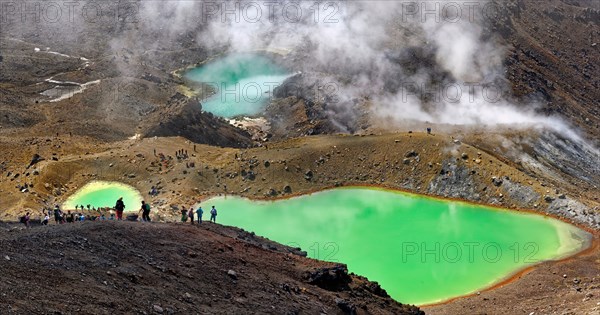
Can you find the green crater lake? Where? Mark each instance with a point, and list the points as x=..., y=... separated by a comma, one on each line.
x=421, y=250
x=242, y=83
x=104, y=194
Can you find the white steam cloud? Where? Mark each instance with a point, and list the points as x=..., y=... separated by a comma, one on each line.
x=460, y=82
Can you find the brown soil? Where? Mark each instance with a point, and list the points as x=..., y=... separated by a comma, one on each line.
x=113, y=267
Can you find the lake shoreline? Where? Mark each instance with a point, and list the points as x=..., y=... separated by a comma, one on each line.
x=409, y=192
x=590, y=244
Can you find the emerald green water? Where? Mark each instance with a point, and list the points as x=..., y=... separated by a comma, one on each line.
x=421, y=250
x=243, y=82
x=104, y=194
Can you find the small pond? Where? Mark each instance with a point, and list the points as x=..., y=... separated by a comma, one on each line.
x=104, y=194
x=241, y=83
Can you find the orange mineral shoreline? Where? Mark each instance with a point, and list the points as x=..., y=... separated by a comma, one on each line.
x=519, y=274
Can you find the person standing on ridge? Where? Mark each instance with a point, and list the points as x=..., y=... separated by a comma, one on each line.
x=25, y=219
x=120, y=207
x=199, y=213
x=145, y=211
x=191, y=214
x=183, y=214
x=213, y=214
x=57, y=214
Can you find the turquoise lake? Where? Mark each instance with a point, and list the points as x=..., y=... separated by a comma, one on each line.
x=242, y=83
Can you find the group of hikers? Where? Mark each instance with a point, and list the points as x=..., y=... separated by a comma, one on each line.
x=116, y=213
x=61, y=217
x=189, y=214
x=185, y=214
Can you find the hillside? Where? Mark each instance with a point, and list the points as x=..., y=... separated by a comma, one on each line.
x=128, y=267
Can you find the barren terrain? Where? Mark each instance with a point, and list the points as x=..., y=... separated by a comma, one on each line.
x=89, y=102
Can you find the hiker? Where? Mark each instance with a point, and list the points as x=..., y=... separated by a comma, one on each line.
x=120, y=207
x=25, y=219
x=69, y=217
x=57, y=214
x=428, y=130
x=145, y=209
x=213, y=214
x=199, y=213
x=191, y=214
x=81, y=217
x=183, y=214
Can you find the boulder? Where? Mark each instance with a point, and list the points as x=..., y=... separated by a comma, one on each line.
x=35, y=159
x=308, y=175
x=232, y=274
x=332, y=279
x=346, y=306
x=157, y=309
x=411, y=153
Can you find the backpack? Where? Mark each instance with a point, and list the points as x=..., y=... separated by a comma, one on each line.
x=22, y=219
x=147, y=207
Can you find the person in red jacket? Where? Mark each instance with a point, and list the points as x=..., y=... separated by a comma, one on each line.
x=120, y=207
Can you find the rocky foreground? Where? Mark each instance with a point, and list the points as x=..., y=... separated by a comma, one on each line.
x=153, y=268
